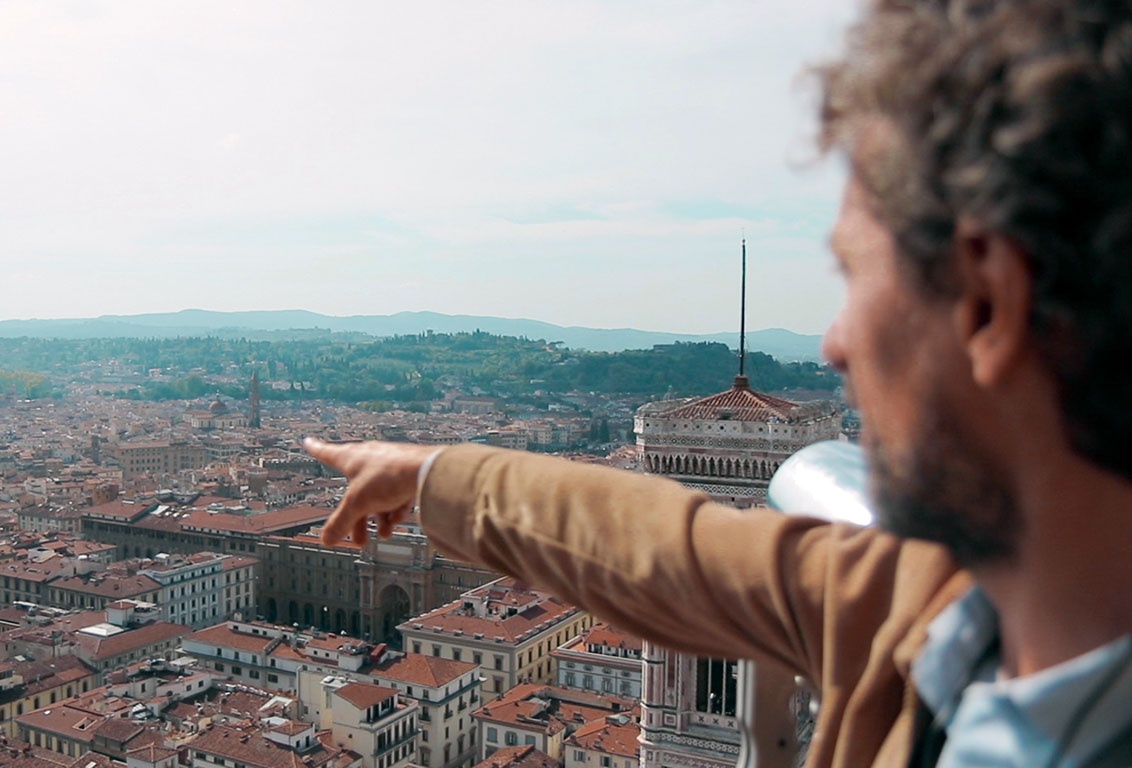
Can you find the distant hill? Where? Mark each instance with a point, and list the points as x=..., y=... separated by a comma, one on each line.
x=299, y=324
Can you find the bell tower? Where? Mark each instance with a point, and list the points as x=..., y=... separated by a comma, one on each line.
x=253, y=401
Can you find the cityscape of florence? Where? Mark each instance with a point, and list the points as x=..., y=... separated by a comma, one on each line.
x=439, y=226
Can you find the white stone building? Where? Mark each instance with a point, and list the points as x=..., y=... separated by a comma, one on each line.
x=727, y=445
x=601, y=660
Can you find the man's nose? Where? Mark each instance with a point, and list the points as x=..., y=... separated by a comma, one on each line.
x=832, y=344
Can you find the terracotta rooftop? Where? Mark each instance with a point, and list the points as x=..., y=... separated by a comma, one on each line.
x=44, y=674
x=109, y=584
x=103, y=648
x=525, y=756
x=264, y=523
x=224, y=635
x=740, y=403
x=73, y=724
x=291, y=727
x=533, y=609
x=119, y=729
x=609, y=737
x=19, y=755
x=233, y=562
x=35, y=572
x=121, y=510
x=603, y=634
x=422, y=669
x=151, y=753
x=255, y=751
x=549, y=708
x=365, y=695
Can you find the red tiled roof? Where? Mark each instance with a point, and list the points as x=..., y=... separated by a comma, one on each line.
x=740, y=403
x=267, y=522
x=365, y=695
x=223, y=635
x=151, y=753
x=252, y=749
x=291, y=727
x=103, y=648
x=72, y=724
x=451, y=618
x=232, y=562
x=120, y=509
x=421, y=669
x=611, y=738
x=119, y=729
x=109, y=585
x=538, y=707
x=37, y=572
x=525, y=756
x=603, y=634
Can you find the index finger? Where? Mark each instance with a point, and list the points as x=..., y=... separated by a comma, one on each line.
x=327, y=453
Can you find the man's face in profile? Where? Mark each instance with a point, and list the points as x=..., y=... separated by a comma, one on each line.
x=906, y=372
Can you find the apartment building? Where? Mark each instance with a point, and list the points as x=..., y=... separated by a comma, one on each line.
x=26, y=686
x=603, y=659
x=271, y=657
x=611, y=742
x=543, y=716
x=448, y=692
x=270, y=745
x=372, y=720
x=506, y=628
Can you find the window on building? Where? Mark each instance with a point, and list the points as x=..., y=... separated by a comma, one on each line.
x=606, y=761
x=716, y=684
x=492, y=735
x=528, y=739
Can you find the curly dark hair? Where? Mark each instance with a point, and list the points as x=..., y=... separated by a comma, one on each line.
x=1016, y=114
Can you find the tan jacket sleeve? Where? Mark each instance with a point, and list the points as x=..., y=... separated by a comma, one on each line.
x=669, y=565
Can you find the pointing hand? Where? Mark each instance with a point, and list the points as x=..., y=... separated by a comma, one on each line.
x=382, y=483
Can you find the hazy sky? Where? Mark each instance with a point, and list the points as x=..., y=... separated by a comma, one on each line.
x=582, y=162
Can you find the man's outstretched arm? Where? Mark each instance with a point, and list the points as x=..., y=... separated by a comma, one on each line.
x=645, y=553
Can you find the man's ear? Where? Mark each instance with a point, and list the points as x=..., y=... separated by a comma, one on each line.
x=993, y=310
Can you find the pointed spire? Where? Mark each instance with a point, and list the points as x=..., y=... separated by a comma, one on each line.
x=741, y=381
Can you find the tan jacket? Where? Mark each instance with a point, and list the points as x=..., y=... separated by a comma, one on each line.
x=845, y=607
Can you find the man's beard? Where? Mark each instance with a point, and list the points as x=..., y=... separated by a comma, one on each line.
x=944, y=493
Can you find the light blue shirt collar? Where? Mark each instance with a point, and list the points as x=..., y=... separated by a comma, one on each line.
x=1083, y=702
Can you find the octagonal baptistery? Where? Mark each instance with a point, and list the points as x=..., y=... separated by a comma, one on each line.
x=729, y=444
